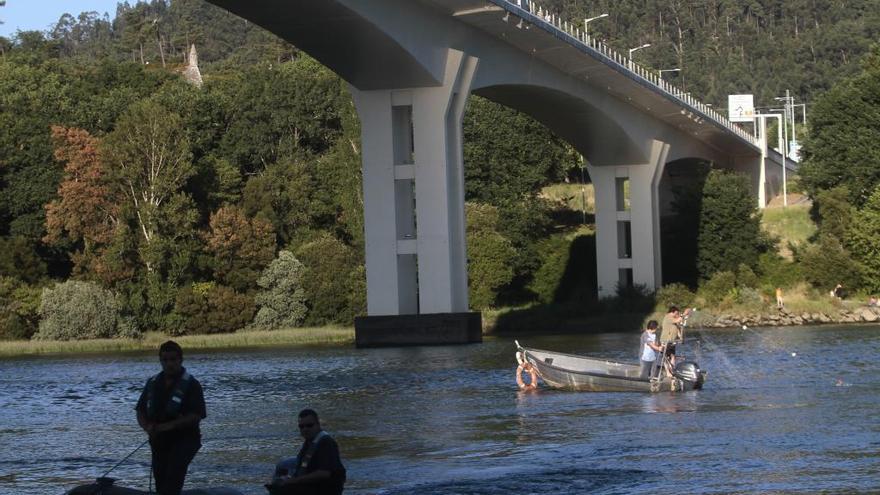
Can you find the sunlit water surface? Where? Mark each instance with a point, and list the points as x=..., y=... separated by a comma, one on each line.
x=785, y=410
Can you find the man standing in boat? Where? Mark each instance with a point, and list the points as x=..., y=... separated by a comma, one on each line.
x=170, y=408
x=649, y=349
x=317, y=469
x=670, y=332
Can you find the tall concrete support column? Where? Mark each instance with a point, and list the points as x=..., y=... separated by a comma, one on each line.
x=413, y=169
x=628, y=250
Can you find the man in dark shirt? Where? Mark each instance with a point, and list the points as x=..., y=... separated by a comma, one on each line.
x=316, y=470
x=170, y=408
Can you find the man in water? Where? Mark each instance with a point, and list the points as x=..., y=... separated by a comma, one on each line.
x=170, y=408
x=317, y=469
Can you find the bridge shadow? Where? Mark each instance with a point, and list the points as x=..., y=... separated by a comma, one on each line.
x=576, y=307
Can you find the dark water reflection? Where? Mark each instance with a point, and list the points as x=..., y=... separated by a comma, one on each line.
x=450, y=419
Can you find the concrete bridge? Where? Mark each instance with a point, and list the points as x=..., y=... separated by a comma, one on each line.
x=411, y=65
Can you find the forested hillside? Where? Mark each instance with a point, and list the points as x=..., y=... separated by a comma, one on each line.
x=131, y=200
x=738, y=46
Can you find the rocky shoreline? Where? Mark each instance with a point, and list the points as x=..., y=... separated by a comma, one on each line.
x=783, y=317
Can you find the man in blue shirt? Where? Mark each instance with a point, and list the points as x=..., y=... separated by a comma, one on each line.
x=648, y=349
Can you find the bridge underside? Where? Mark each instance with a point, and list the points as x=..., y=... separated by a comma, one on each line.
x=412, y=64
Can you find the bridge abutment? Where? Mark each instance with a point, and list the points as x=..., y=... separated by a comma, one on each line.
x=628, y=222
x=413, y=176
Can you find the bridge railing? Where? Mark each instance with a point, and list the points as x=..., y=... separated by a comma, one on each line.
x=693, y=108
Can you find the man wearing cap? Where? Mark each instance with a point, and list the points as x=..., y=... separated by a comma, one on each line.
x=169, y=409
x=317, y=469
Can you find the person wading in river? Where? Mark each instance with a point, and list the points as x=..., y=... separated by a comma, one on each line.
x=170, y=408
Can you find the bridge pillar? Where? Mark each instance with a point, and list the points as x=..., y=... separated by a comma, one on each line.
x=628, y=222
x=414, y=222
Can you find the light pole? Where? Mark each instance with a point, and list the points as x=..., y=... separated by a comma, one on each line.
x=588, y=21
x=631, y=50
x=661, y=71
x=763, y=117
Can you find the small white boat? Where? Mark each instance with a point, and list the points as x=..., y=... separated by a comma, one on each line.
x=574, y=372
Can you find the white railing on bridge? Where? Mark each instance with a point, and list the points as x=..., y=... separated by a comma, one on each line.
x=578, y=37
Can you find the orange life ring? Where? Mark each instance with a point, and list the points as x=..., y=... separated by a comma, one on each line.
x=528, y=368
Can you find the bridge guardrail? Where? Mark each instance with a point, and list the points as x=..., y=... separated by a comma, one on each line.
x=696, y=110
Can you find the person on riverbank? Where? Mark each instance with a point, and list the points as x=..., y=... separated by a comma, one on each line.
x=170, y=408
x=779, y=303
x=316, y=469
x=649, y=349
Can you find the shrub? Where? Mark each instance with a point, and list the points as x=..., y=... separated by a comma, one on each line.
x=673, y=295
x=79, y=310
x=748, y=296
x=777, y=272
x=205, y=308
x=282, y=296
x=718, y=288
x=19, y=309
x=745, y=276
x=827, y=263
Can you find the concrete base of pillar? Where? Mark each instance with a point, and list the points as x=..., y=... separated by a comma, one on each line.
x=424, y=329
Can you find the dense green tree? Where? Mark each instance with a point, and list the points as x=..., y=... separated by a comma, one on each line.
x=207, y=308
x=835, y=211
x=730, y=225
x=827, y=263
x=330, y=277
x=241, y=247
x=19, y=309
x=863, y=241
x=285, y=110
x=508, y=156
x=489, y=255
x=841, y=148
x=19, y=260
x=149, y=161
x=282, y=196
x=31, y=98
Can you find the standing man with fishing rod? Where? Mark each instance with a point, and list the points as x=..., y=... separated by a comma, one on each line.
x=170, y=408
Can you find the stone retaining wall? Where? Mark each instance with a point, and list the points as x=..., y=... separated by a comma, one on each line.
x=863, y=314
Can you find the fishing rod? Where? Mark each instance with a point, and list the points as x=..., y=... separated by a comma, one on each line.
x=104, y=476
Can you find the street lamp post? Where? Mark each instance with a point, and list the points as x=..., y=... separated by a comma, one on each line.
x=631, y=50
x=588, y=21
x=780, y=129
x=661, y=71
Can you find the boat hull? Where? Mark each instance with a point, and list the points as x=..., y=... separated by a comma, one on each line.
x=102, y=489
x=572, y=372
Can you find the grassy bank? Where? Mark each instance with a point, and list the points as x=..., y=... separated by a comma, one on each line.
x=284, y=337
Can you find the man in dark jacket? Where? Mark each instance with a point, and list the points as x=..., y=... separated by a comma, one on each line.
x=317, y=469
x=170, y=408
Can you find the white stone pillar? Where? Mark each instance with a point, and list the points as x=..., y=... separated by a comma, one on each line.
x=628, y=222
x=413, y=170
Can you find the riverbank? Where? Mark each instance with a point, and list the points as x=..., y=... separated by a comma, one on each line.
x=330, y=335
x=799, y=309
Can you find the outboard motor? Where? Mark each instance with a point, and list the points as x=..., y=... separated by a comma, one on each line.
x=689, y=371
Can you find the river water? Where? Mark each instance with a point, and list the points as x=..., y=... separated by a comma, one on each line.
x=784, y=410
